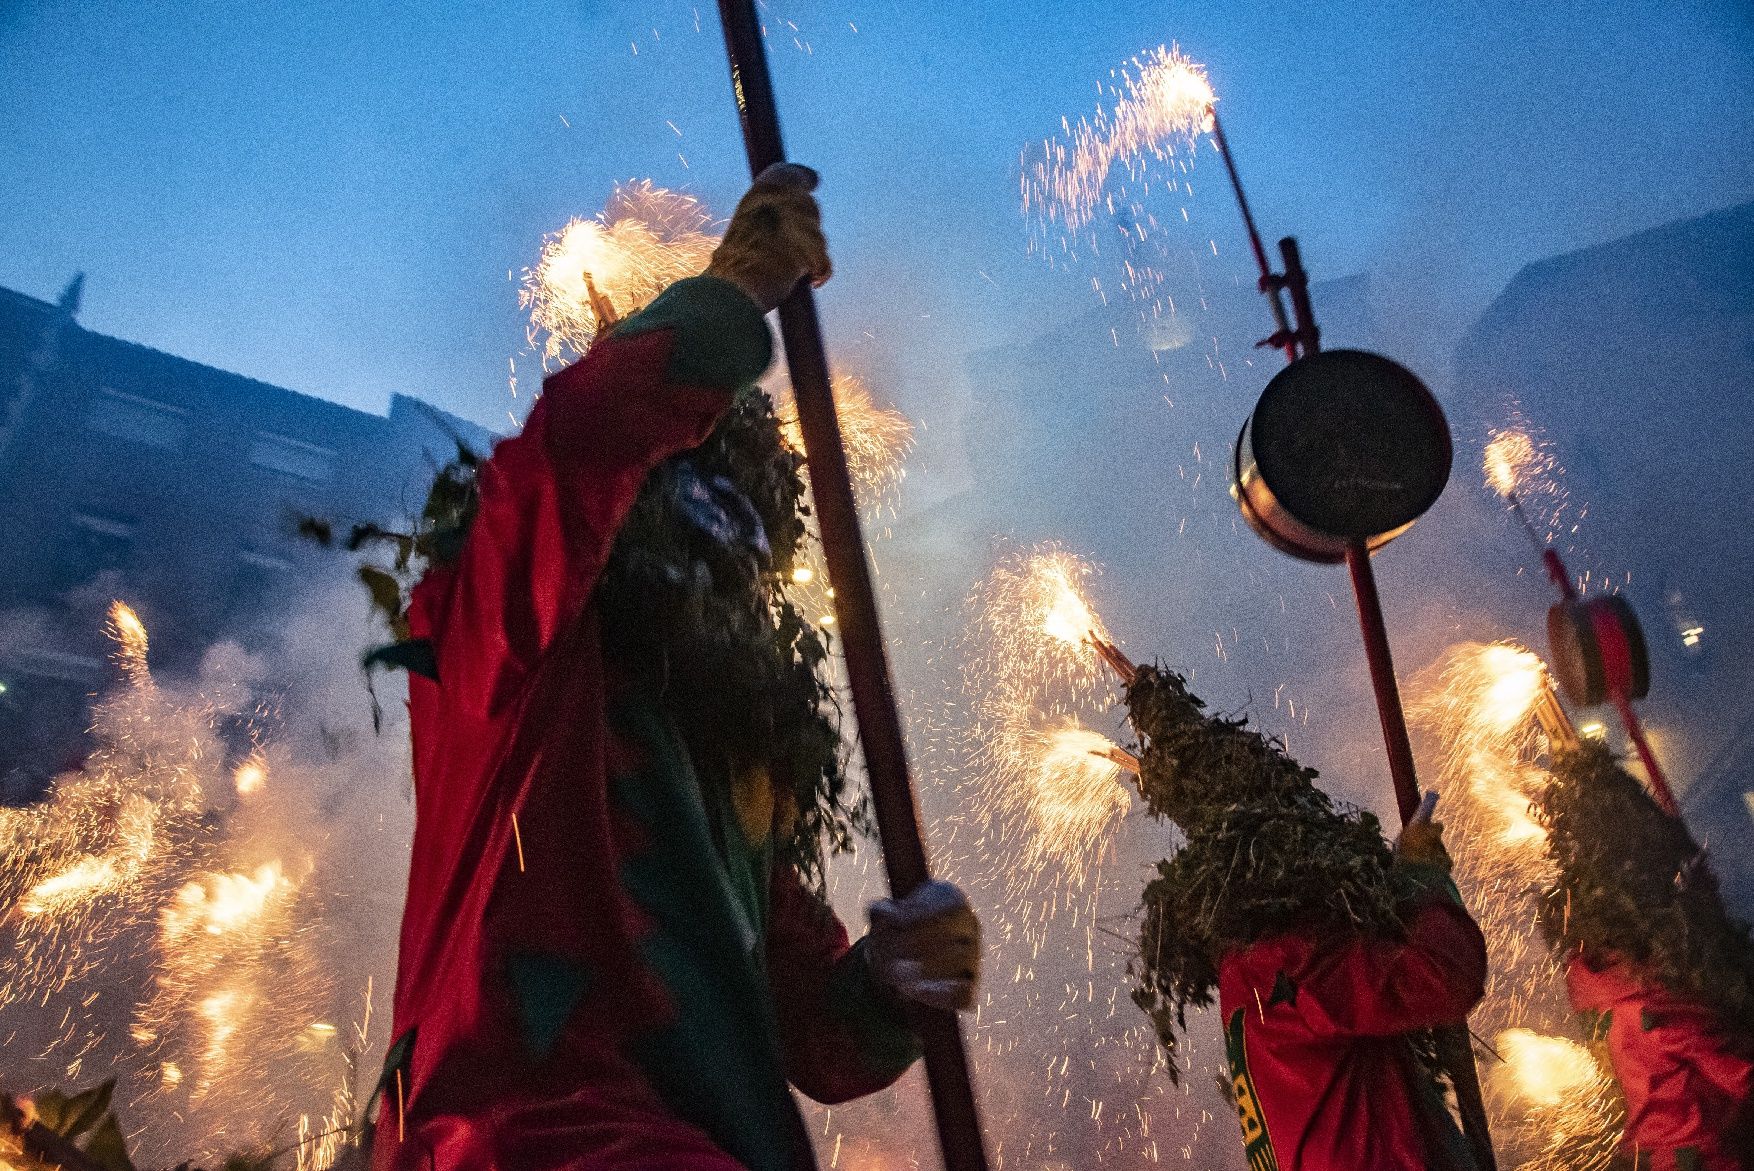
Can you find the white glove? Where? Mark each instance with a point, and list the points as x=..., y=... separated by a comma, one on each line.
x=927, y=946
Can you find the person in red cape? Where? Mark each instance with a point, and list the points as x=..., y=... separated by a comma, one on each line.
x=615, y=954
x=1332, y=956
x=1661, y=975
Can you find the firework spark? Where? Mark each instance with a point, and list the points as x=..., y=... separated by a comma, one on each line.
x=876, y=438
x=131, y=641
x=1161, y=100
x=595, y=271
x=1560, y=1106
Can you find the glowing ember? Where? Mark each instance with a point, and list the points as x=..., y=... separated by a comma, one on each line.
x=1162, y=99
x=1546, y=1071
x=250, y=776
x=876, y=438
x=646, y=239
x=129, y=634
x=222, y=902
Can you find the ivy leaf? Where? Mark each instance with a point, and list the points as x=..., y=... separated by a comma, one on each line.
x=78, y=1114
x=414, y=655
x=107, y=1148
x=385, y=590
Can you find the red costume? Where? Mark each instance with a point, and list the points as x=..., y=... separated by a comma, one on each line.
x=1324, y=1075
x=1689, y=1083
x=592, y=951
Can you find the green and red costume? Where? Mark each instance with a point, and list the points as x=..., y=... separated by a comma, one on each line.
x=1688, y=1079
x=1317, y=1034
x=601, y=967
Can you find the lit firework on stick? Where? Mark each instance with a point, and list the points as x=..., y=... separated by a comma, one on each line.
x=1161, y=100
x=593, y=272
x=1597, y=646
x=1070, y=619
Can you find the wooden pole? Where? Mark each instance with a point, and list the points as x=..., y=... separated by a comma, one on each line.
x=855, y=604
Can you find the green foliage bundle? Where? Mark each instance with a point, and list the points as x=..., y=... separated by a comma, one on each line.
x=707, y=625
x=703, y=622
x=1267, y=851
x=1630, y=881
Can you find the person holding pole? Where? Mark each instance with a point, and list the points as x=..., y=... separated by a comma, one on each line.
x=615, y=953
x=1334, y=958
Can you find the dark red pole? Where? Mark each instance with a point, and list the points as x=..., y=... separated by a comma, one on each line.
x=1382, y=681
x=855, y=604
x=1283, y=337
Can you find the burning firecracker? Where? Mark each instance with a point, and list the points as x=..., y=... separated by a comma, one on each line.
x=596, y=271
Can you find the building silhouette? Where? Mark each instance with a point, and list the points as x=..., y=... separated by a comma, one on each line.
x=133, y=473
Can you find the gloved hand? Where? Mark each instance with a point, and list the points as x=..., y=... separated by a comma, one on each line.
x=775, y=237
x=927, y=946
x=1421, y=840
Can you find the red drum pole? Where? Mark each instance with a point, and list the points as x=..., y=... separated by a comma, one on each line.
x=880, y=734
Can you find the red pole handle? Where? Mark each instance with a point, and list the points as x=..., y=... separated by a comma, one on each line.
x=880, y=733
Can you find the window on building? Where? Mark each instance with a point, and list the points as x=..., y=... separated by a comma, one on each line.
x=293, y=457
x=96, y=543
x=138, y=420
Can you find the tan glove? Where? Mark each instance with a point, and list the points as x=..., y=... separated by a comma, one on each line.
x=927, y=946
x=775, y=237
x=1421, y=840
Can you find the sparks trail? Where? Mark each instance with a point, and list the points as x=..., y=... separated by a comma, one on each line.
x=1162, y=100
x=594, y=272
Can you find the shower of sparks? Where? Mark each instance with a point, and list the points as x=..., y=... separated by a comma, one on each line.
x=134, y=938
x=1550, y=1108
x=876, y=438
x=1510, y=457
x=1047, y=788
x=1562, y=1110
x=1161, y=101
x=1483, y=702
x=646, y=239
x=1065, y=784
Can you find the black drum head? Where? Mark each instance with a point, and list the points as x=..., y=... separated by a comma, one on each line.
x=1351, y=443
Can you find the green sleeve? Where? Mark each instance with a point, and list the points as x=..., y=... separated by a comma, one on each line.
x=722, y=339
x=872, y=1014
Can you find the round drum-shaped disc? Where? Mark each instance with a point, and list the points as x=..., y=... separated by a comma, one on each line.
x=1597, y=650
x=1350, y=443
